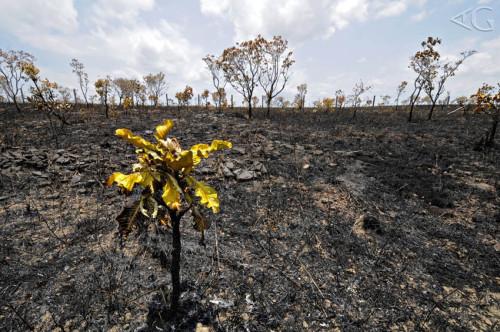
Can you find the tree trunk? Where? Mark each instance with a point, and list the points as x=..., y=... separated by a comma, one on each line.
x=491, y=134
x=176, y=262
x=250, y=110
x=410, y=116
x=16, y=104
x=429, y=117
x=413, y=100
x=268, y=106
x=106, y=105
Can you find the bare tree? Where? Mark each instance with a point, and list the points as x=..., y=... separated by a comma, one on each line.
x=155, y=85
x=357, y=91
x=300, y=97
x=11, y=63
x=83, y=78
x=204, y=97
x=437, y=75
x=123, y=88
x=275, y=64
x=339, y=99
x=385, y=100
x=241, y=65
x=401, y=88
x=218, y=78
x=219, y=98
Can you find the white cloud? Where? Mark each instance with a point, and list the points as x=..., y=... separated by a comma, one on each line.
x=112, y=39
x=420, y=16
x=121, y=10
x=57, y=16
x=300, y=20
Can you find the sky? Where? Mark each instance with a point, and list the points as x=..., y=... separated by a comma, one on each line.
x=336, y=43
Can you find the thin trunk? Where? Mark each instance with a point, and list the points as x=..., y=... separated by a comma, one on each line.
x=16, y=104
x=106, y=104
x=250, y=110
x=354, y=114
x=268, y=106
x=410, y=116
x=491, y=134
x=429, y=117
x=176, y=263
x=413, y=100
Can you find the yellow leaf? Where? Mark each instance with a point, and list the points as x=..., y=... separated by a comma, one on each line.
x=124, y=181
x=147, y=180
x=163, y=129
x=207, y=194
x=218, y=144
x=172, y=194
x=204, y=150
x=183, y=161
x=128, y=181
x=137, y=141
x=200, y=151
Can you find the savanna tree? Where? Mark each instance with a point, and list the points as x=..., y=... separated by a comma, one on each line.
x=423, y=63
x=204, y=97
x=385, y=100
x=138, y=92
x=339, y=99
x=128, y=103
x=255, y=101
x=275, y=63
x=155, y=85
x=328, y=104
x=400, y=90
x=185, y=96
x=83, y=78
x=357, y=91
x=11, y=63
x=219, y=98
x=461, y=100
x=241, y=65
x=44, y=97
x=488, y=102
x=218, y=77
x=300, y=98
x=436, y=73
x=282, y=103
x=123, y=87
x=168, y=190
x=102, y=88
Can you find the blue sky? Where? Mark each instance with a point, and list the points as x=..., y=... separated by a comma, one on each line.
x=336, y=42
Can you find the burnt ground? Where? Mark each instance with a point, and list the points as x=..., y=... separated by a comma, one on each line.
x=375, y=225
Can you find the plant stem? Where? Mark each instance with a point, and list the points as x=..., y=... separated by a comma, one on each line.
x=176, y=259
